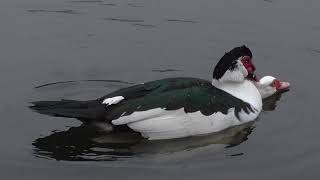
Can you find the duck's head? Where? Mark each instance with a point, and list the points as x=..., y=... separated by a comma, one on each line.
x=269, y=85
x=235, y=66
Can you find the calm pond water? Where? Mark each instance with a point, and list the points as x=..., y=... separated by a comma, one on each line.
x=132, y=41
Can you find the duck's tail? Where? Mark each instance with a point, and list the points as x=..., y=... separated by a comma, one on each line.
x=85, y=111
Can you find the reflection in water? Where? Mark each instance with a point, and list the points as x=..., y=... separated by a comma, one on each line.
x=78, y=144
x=270, y=103
x=89, y=143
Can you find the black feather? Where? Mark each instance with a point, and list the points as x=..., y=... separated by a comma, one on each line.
x=82, y=110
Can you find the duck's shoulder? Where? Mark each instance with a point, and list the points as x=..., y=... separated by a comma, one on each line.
x=173, y=84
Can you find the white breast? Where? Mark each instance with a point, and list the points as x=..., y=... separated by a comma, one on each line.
x=245, y=91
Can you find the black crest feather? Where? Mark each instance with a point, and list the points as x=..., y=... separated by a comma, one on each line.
x=228, y=60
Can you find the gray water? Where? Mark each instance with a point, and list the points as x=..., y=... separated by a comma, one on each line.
x=43, y=41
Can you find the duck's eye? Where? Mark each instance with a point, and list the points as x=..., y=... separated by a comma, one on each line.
x=234, y=64
x=245, y=60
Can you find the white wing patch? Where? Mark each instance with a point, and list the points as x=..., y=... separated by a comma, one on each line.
x=113, y=100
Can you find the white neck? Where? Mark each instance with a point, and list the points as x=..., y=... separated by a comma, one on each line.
x=245, y=90
x=238, y=74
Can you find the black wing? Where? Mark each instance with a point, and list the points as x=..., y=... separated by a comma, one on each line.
x=172, y=94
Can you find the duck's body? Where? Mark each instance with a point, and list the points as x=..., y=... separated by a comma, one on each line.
x=179, y=107
x=174, y=107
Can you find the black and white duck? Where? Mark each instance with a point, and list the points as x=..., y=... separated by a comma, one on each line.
x=176, y=107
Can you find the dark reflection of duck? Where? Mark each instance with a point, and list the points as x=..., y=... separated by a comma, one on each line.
x=270, y=103
x=88, y=143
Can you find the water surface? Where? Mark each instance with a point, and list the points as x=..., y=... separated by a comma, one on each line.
x=43, y=42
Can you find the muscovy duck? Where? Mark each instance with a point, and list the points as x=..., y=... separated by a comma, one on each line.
x=174, y=107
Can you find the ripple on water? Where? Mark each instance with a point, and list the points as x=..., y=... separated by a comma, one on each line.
x=109, y=4
x=314, y=51
x=165, y=70
x=87, y=1
x=65, y=11
x=88, y=80
x=124, y=20
x=181, y=20
x=144, y=25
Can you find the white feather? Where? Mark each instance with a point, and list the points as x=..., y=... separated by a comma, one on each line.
x=113, y=100
x=238, y=74
x=246, y=91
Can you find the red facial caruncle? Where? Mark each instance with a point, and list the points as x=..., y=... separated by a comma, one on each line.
x=280, y=86
x=277, y=84
x=246, y=61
